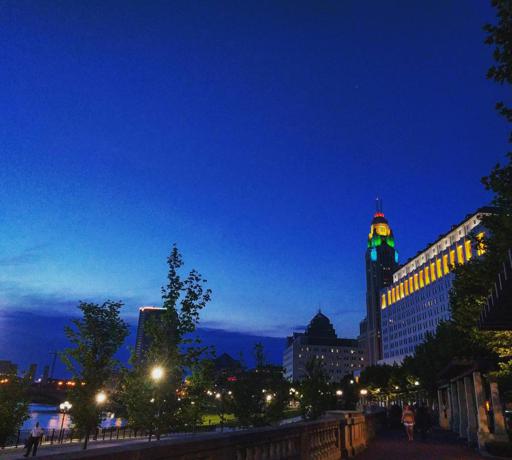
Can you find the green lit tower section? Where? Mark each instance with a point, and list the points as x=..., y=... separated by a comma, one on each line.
x=381, y=263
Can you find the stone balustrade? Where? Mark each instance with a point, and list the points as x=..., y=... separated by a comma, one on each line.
x=338, y=435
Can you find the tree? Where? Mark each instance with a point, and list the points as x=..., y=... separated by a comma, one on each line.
x=95, y=338
x=171, y=349
x=198, y=386
x=474, y=280
x=13, y=407
x=317, y=394
x=259, y=396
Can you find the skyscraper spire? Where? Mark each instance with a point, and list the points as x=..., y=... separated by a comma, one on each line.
x=378, y=205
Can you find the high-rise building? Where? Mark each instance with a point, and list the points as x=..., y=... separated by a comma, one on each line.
x=339, y=357
x=143, y=341
x=418, y=299
x=8, y=368
x=381, y=261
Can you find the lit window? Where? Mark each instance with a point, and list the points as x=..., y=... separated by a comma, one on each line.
x=416, y=286
x=467, y=247
x=427, y=277
x=402, y=295
x=446, y=268
x=421, y=279
x=393, y=296
x=480, y=247
x=452, y=259
x=411, y=285
x=439, y=269
x=460, y=255
x=389, y=297
x=406, y=286
x=433, y=272
x=383, y=304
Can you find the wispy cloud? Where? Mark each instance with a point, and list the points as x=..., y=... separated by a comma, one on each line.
x=27, y=256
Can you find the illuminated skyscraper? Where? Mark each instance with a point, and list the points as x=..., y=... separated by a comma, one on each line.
x=143, y=341
x=381, y=263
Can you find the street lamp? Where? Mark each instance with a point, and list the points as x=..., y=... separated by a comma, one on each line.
x=339, y=393
x=268, y=398
x=416, y=383
x=364, y=392
x=157, y=373
x=64, y=408
x=101, y=397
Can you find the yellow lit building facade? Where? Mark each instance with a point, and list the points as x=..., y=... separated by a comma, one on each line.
x=418, y=299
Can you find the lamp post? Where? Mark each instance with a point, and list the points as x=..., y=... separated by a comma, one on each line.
x=156, y=374
x=64, y=409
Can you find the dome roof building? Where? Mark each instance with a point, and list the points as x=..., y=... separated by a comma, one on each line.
x=319, y=341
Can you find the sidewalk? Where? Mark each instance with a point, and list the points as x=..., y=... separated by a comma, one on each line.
x=440, y=445
x=16, y=454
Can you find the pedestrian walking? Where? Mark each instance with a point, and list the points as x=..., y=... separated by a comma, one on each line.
x=33, y=441
x=423, y=421
x=408, y=419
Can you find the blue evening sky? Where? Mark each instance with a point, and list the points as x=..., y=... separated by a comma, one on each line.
x=255, y=135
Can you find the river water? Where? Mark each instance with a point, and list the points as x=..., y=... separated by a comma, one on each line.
x=50, y=418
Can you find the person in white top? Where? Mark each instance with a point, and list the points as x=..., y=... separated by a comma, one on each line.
x=33, y=441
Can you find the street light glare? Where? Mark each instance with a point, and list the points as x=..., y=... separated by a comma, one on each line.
x=101, y=397
x=157, y=373
x=66, y=405
x=339, y=392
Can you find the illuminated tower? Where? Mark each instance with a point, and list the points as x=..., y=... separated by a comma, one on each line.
x=381, y=262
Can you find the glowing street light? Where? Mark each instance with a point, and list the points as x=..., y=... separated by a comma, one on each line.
x=416, y=383
x=268, y=398
x=339, y=393
x=364, y=392
x=157, y=373
x=218, y=396
x=101, y=397
x=64, y=408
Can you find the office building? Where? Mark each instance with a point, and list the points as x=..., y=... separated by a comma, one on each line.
x=319, y=341
x=381, y=261
x=418, y=299
x=143, y=340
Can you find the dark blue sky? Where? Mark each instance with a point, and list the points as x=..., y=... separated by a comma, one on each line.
x=255, y=135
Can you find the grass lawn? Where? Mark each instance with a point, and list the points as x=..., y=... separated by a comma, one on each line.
x=214, y=419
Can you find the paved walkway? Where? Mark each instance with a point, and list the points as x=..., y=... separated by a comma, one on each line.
x=440, y=445
x=16, y=454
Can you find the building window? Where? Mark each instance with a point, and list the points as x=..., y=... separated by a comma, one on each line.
x=416, y=286
x=480, y=247
x=439, y=270
x=432, y=271
x=406, y=286
x=402, y=290
x=446, y=268
x=393, y=295
x=452, y=259
x=467, y=247
x=411, y=285
x=389, y=297
x=460, y=255
x=427, y=277
x=421, y=279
